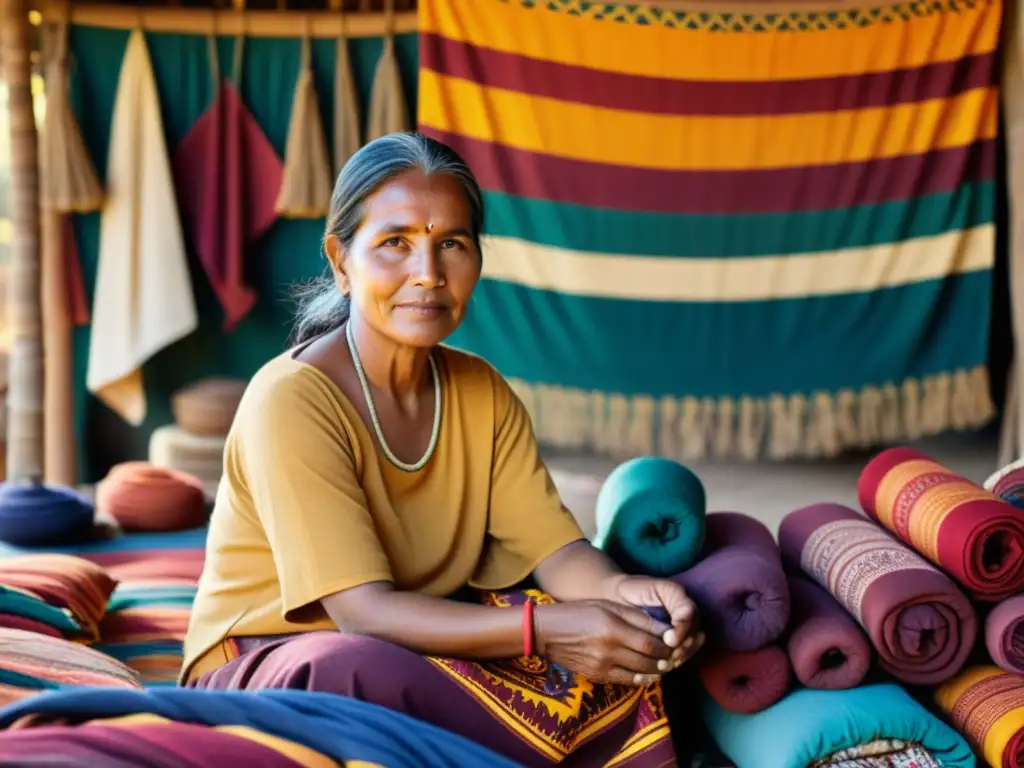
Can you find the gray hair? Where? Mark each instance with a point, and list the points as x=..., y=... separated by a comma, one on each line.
x=321, y=306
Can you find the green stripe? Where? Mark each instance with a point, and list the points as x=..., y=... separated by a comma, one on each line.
x=600, y=230
x=755, y=348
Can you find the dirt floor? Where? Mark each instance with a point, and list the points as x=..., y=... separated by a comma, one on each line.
x=769, y=490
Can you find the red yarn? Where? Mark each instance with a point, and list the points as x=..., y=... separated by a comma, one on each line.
x=143, y=497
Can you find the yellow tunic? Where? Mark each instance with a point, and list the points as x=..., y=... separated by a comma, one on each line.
x=308, y=507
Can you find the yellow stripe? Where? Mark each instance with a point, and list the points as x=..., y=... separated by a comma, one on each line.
x=999, y=735
x=703, y=55
x=679, y=142
x=301, y=754
x=738, y=279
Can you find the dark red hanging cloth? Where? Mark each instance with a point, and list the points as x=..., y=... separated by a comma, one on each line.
x=227, y=176
x=78, y=302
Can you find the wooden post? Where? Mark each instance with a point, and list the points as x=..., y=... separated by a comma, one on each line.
x=24, y=311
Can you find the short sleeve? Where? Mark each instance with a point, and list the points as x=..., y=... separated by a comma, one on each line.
x=527, y=521
x=295, y=454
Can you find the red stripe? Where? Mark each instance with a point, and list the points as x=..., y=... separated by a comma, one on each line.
x=532, y=174
x=657, y=95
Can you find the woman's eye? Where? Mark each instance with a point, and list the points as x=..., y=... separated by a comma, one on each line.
x=448, y=244
x=392, y=242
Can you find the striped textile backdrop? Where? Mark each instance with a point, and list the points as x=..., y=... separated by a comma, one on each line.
x=742, y=233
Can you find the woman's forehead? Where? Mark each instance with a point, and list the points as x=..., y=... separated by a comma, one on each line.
x=416, y=197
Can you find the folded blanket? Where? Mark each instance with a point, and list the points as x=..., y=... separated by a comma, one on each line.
x=809, y=725
x=1004, y=634
x=345, y=730
x=739, y=585
x=975, y=536
x=154, y=742
x=746, y=681
x=987, y=706
x=650, y=516
x=826, y=646
x=920, y=623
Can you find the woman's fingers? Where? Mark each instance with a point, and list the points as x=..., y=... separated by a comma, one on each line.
x=620, y=676
x=635, y=630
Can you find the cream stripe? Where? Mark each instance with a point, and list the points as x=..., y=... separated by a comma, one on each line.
x=645, y=278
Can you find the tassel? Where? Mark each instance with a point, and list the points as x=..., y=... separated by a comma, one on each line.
x=306, y=187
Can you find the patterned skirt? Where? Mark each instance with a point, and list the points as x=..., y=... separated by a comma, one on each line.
x=526, y=709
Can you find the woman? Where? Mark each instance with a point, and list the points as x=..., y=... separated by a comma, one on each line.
x=371, y=475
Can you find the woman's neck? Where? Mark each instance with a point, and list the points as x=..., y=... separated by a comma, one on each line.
x=395, y=370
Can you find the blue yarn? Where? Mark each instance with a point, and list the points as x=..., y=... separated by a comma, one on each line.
x=650, y=516
x=36, y=515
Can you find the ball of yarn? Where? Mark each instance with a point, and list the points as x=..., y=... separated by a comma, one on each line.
x=1008, y=483
x=208, y=406
x=38, y=515
x=142, y=497
x=650, y=516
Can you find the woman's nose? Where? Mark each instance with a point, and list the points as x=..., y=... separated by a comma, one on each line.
x=427, y=268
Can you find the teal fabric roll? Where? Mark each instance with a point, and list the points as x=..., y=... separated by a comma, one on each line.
x=650, y=517
x=809, y=725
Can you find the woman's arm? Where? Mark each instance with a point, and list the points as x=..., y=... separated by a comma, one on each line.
x=605, y=641
x=579, y=571
x=428, y=625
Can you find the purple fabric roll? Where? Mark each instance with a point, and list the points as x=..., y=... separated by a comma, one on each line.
x=170, y=745
x=1004, y=635
x=920, y=623
x=739, y=586
x=826, y=646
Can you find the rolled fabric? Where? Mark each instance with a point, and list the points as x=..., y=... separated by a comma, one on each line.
x=348, y=731
x=1008, y=483
x=149, y=741
x=810, y=725
x=41, y=515
x=208, y=406
x=1004, y=635
x=739, y=586
x=650, y=516
x=826, y=646
x=920, y=623
x=746, y=681
x=986, y=705
x=142, y=497
x=975, y=536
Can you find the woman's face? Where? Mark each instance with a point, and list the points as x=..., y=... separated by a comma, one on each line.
x=412, y=265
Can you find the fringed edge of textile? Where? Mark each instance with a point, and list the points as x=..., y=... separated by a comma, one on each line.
x=823, y=424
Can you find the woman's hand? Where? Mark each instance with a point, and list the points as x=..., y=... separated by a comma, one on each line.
x=608, y=642
x=645, y=592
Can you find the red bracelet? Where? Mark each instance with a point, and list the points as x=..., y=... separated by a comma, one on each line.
x=528, y=628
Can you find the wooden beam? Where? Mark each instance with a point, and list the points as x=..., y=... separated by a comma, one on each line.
x=250, y=23
x=24, y=302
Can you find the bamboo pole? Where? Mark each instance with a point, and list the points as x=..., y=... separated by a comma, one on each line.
x=25, y=389
x=198, y=21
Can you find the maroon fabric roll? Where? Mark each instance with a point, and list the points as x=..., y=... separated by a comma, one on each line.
x=163, y=745
x=826, y=646
x=922, y=626
x=739, y=585
x=746, y=681
x=1004, y=635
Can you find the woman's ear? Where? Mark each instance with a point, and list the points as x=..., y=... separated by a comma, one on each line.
x=336, y=257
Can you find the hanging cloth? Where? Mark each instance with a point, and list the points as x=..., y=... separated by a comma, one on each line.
x=143, y=300
x=68, y=184
x=227, y=176
x=346, y=105
x=388, y=113
x=306, y=188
